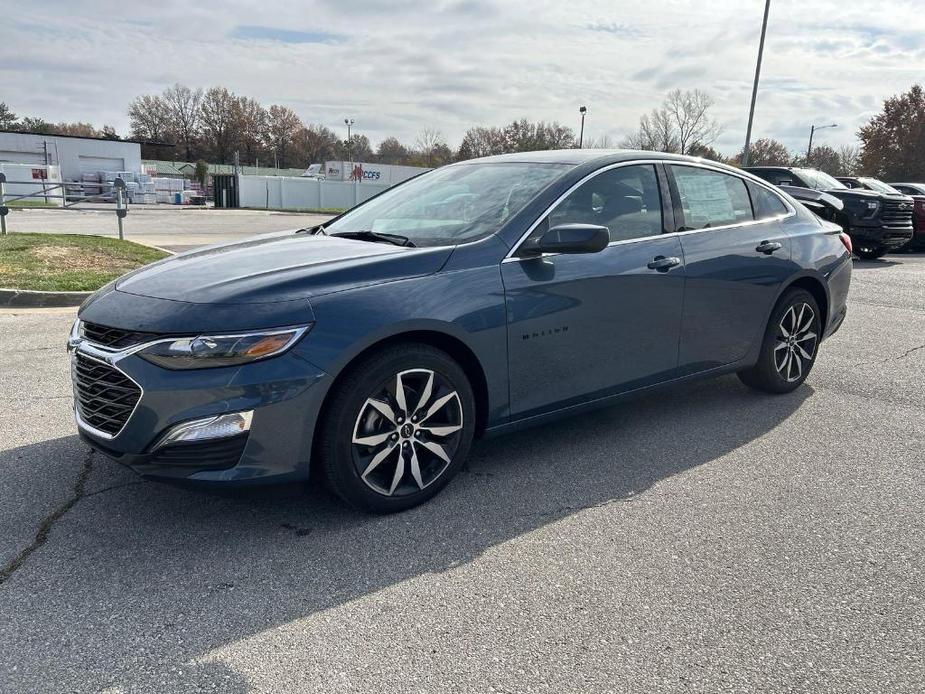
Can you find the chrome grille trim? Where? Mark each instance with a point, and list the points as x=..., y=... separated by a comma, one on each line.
x=106, y=377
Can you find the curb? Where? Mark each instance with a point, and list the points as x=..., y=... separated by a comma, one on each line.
x=27, y=298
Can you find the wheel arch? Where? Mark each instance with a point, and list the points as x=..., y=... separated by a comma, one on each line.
x=818, y=289
x=452, y=345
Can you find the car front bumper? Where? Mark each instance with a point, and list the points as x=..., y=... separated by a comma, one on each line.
x=285, y=394
x=880, y=235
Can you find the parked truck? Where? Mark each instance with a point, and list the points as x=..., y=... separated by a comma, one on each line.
x=877, y=222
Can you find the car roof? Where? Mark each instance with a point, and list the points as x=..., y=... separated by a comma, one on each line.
x=577, y=157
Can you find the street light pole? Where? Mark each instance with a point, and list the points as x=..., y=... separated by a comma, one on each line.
x=583, y=110
x=812, y=130
x=751, y=110
x=349, y=123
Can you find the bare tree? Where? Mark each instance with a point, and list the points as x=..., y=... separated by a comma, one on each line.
x=183, y=113
x=282, y=127
x=149, y=118
x=849, y=160
x=689, y=110
x=249, y=127
x=603, y=142
x=428, y=144
x=218, y=114
x=682, y=121
x=656, y=133
x=314, y=144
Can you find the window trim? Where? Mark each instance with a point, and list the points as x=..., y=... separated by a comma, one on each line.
x=511, y=254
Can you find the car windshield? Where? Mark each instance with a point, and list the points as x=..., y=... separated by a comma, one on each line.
x=820, y=180
x=451, y=205
x=879, y=186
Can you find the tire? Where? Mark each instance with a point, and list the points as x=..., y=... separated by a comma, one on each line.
x=783, y=364
x=870, y=252
x=382, y=455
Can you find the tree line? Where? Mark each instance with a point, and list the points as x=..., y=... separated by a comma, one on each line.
x=216, y=125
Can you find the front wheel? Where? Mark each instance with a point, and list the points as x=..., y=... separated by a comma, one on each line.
x=397, y=429
x=870, y=252
x=788, y=350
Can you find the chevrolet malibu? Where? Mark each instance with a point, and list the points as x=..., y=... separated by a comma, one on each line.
x=475, y=299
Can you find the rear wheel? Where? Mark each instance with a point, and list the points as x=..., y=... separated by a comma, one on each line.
x=788, y=350
x=398, y=428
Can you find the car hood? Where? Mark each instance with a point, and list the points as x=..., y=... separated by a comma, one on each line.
x=861, y=194
x=279, y=267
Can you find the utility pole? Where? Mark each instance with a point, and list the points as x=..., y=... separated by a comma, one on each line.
x=349, y=144
x=751, y=109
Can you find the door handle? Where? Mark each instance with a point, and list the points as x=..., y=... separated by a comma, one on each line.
x=663, y=264
x=768, y=247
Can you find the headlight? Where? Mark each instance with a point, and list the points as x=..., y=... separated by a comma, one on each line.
x=209, y=351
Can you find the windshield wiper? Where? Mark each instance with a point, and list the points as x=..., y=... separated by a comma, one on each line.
x=317, y=229
x=376, y=236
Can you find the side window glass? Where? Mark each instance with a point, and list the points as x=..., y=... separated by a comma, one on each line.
x=710, y=198
x=767, y=204
x=626, y=200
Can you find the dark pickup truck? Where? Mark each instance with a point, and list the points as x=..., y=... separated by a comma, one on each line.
x=877, y=222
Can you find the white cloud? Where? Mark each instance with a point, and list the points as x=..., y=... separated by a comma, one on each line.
x=402, y=65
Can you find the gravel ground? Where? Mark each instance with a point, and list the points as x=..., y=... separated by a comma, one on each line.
x=707, y=540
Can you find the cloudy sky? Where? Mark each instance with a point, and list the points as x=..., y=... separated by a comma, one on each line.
x=396, y=66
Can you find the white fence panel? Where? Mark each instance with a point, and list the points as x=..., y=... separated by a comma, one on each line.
x=290, y=193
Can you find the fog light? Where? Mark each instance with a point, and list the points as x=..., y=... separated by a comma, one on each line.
x=216, y=427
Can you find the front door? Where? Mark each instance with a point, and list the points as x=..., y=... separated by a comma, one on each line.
x=586, y=326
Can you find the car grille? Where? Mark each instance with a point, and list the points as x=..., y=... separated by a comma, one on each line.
x=896, y=213
x=114, y=338
x=103, y=395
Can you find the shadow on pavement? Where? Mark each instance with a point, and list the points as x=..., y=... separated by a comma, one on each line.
x=139, y=578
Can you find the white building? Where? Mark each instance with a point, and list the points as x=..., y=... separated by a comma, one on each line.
x=72, y=155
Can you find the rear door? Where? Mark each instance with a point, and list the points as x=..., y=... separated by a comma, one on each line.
x=736, y=255
x=582, y=327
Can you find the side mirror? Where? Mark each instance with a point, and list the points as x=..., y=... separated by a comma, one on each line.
x=571, y=238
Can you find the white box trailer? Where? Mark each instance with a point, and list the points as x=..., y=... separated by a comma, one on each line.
x=37, y=181
x=363, y=172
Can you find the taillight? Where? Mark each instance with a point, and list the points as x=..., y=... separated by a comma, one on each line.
x=846, y=240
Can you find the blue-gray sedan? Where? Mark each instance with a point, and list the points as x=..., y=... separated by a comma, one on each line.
x=478, y=298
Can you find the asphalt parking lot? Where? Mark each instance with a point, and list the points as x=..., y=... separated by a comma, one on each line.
x=710, y=539
x=166, y=226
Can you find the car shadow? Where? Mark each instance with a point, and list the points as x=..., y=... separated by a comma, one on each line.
x=220, y=568
x=876, y=264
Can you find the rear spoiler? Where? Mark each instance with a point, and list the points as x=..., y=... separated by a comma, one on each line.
x=821, y=203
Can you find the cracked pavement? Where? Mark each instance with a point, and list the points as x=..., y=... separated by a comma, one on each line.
x=706, y=539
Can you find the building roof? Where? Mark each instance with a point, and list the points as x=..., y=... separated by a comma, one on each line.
x=188, y=168
x=81, y=137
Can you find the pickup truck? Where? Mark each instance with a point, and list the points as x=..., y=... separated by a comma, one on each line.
x=877, y=222
x=917, y=192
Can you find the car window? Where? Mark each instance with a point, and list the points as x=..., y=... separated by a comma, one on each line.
x=452, y=204
x=878, y=186
x=819, y=180
x=710, y=198
x=766, y=203
x=626, y=200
